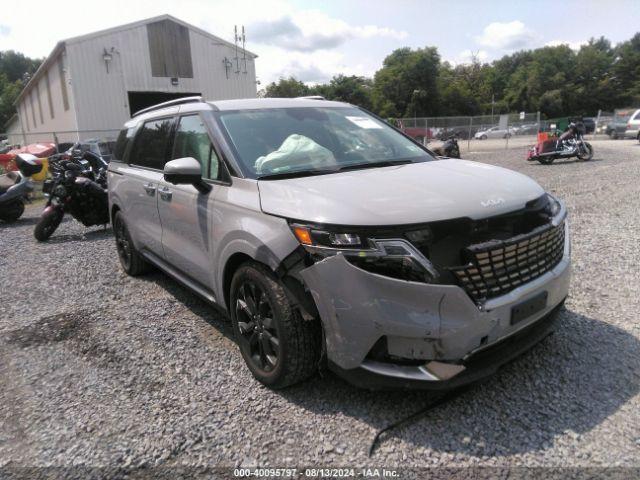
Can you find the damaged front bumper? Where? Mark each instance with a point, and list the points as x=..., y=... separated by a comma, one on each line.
x=434, y=323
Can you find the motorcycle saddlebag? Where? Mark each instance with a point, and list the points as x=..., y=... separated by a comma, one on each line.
x=546, y=146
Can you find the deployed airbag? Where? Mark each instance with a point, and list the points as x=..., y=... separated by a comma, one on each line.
x=296, y=151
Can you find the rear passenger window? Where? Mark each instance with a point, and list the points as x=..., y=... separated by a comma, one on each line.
x=123, y=141
x=150, y=147
x=192, y=140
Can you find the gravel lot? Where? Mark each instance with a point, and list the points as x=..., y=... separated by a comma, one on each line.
x=100, y=369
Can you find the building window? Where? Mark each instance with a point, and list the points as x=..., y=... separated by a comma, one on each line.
x=63, y=85
x=39, y=103
x=48, y=86
x=169, y=50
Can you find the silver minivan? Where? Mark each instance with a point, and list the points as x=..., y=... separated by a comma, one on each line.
x=331, y=238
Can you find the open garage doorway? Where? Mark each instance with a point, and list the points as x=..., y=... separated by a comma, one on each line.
x=140, y=100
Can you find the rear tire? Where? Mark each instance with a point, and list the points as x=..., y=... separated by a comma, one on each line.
x=48, y=223
x=11, y=213
x=132, y=262
x=278, y=346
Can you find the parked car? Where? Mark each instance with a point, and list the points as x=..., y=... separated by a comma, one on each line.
x=493, y=132
x=328, y=236
x=589, y=124
x=618, y=126
x=527, y=129
x=633, y=126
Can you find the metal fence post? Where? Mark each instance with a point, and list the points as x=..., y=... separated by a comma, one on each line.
x=506, y=143
x=469, y=136
x=426, y=131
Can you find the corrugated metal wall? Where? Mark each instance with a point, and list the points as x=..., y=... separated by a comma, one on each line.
x=101, y=97
x=55, y=117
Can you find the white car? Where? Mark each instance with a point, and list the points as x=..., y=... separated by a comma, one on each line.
x=494, y=132
x=633, y=126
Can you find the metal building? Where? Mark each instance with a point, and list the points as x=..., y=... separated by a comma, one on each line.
x=97, y=81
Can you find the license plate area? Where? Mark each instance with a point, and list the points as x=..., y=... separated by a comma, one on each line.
x=529, y=307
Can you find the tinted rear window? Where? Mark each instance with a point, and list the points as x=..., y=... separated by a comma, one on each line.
x=123, y=141
x=150, y=147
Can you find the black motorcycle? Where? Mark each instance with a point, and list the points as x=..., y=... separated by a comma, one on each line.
x=78, y=187
x=569, y=144
x=446, y=148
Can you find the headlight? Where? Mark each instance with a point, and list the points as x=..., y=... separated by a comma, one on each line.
x=392, y=257
x=553, y=207
x=309, y=236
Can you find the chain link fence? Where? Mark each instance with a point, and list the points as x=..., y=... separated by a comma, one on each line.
x=477, y=133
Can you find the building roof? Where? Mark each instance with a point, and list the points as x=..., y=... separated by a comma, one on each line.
x=61, y=45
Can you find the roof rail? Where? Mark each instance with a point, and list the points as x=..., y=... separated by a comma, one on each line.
x=312, y=97
x=170, y=103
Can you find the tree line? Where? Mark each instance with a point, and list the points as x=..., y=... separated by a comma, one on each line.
x=555, y=80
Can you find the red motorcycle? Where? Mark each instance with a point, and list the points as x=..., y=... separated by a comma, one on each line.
x=569, y=144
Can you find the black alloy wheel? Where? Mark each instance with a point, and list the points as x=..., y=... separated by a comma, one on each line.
x=132, y=262
x=259, y=336
x=123, y=244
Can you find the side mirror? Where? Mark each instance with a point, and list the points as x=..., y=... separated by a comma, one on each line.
x=185, y=171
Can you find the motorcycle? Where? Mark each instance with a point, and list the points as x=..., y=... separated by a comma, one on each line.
x=16, y=186
x=78, y=187
x=570, y=144
x=446, y=148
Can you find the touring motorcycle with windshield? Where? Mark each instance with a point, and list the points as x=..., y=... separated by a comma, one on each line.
x=569, y=144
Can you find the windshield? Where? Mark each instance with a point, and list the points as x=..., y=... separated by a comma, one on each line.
x=282, y=141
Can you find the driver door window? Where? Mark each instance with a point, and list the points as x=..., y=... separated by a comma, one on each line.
x=192, y=140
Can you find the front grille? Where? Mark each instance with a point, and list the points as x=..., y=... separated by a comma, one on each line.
x=495, y=268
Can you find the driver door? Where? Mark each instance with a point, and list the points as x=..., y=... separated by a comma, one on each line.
x=184, y=212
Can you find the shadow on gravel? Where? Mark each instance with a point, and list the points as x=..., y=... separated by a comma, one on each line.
x=88, y=236
x=570, y=382
x=21, y=222
x=211, y=314
x=567, y=162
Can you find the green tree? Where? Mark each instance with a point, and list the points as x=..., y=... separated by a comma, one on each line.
x=406, y=85
x=626, y=71
x=15, y=70
x=286, y=88
x=351, y=89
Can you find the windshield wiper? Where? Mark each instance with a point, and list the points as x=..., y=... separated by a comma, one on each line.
x=296, y=174
x=387, y=163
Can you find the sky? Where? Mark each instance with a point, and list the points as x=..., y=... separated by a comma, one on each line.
x=314, y=40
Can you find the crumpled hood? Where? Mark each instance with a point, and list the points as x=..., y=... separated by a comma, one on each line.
x=403, y=194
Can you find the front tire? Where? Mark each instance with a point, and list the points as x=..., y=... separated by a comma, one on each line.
x=278, y=346
x=588, y=154
x=132, y=262
x=48, y=223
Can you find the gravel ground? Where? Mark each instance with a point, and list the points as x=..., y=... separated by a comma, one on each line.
x=100, y=369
